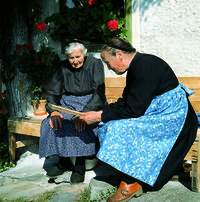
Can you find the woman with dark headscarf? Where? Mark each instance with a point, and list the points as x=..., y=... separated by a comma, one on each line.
x=147, y=133
x=77, y=84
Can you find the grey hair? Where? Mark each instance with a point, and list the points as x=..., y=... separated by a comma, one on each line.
x=70, y=48
x=117, y=43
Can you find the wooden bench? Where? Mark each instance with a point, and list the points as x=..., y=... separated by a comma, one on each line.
x=114, y=87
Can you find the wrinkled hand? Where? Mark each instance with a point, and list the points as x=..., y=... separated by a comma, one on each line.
x=91, y=117
x=55, y=120
x=79, y=124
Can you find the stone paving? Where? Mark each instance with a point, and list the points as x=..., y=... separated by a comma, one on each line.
x=28, y=180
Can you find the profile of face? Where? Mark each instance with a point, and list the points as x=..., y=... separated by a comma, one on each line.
x=113, y=63
x=76, y=59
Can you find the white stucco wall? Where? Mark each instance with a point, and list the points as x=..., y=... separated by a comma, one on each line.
x=171, y=30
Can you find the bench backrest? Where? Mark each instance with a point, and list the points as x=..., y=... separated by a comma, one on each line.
x=115, y=86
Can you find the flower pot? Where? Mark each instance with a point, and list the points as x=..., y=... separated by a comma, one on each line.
x=39, y=108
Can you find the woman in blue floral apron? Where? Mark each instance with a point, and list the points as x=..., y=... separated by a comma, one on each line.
x=147, y=133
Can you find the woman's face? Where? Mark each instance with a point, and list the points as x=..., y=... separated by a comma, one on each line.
x=113, y=63
x=76, y=59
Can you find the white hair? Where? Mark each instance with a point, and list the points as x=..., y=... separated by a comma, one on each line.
x=70, y=48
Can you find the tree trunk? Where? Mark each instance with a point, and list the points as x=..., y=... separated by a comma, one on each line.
x=17, y=83
x=19, y=99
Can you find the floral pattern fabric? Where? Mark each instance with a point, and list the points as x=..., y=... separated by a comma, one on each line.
x=67, y=141
x=140, y=146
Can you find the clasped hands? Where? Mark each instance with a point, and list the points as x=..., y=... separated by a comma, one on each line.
x=80, y=122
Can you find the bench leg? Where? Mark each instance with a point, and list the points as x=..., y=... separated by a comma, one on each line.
x=195, y=177
x=12, y=146
x=196, y=171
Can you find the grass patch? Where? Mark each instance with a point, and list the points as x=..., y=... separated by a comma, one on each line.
x=44, y=197
x=5, y=158
x=84, y=196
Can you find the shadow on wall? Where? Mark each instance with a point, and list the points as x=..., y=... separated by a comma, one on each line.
x=145, y=4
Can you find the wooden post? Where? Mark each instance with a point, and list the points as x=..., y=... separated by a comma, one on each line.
x=12, y=146
x=128, y=8
x=196, y=169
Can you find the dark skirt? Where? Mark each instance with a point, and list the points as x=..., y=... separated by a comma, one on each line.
x=67, y=141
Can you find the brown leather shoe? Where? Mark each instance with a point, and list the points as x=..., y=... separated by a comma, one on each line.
x=126, y=191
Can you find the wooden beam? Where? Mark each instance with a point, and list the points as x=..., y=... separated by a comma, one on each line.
x=24, y=143
x=128, y=17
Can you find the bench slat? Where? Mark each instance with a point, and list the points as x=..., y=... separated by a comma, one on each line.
x=113, y=82
x=196, y=106
x=115, y=86
x=24, y=143
x=195, y=96
x=26, y=126
x=114, y=92
x=190, y=82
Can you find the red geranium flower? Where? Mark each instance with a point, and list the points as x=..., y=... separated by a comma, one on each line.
x=3, y=95
x=92, y=2
x=30, y=46
x=41, y=26
x=24, y=46
x=2, y=111
x=1, y=100
x=18, y=47
x=37, y=62
x=113, y=25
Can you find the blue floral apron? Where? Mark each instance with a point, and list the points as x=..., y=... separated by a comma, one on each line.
x=140, y=146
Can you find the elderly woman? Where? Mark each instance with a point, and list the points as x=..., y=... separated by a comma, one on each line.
x=146, y=133
x=77, y=84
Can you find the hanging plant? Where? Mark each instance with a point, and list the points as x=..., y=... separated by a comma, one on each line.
x=89, y=20
x=37, y=64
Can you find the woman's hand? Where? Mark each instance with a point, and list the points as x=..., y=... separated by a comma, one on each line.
x=79, y=124
x=91, y=117
x=55, y=120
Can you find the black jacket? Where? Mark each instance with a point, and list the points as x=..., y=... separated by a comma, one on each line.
x=89, y=79
x=147, y=77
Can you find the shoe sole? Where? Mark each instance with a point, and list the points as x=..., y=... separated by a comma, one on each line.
x=56, y=176
x=136, y=194
x=72, y=183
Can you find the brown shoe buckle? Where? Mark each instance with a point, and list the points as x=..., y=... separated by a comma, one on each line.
x=124, y=192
